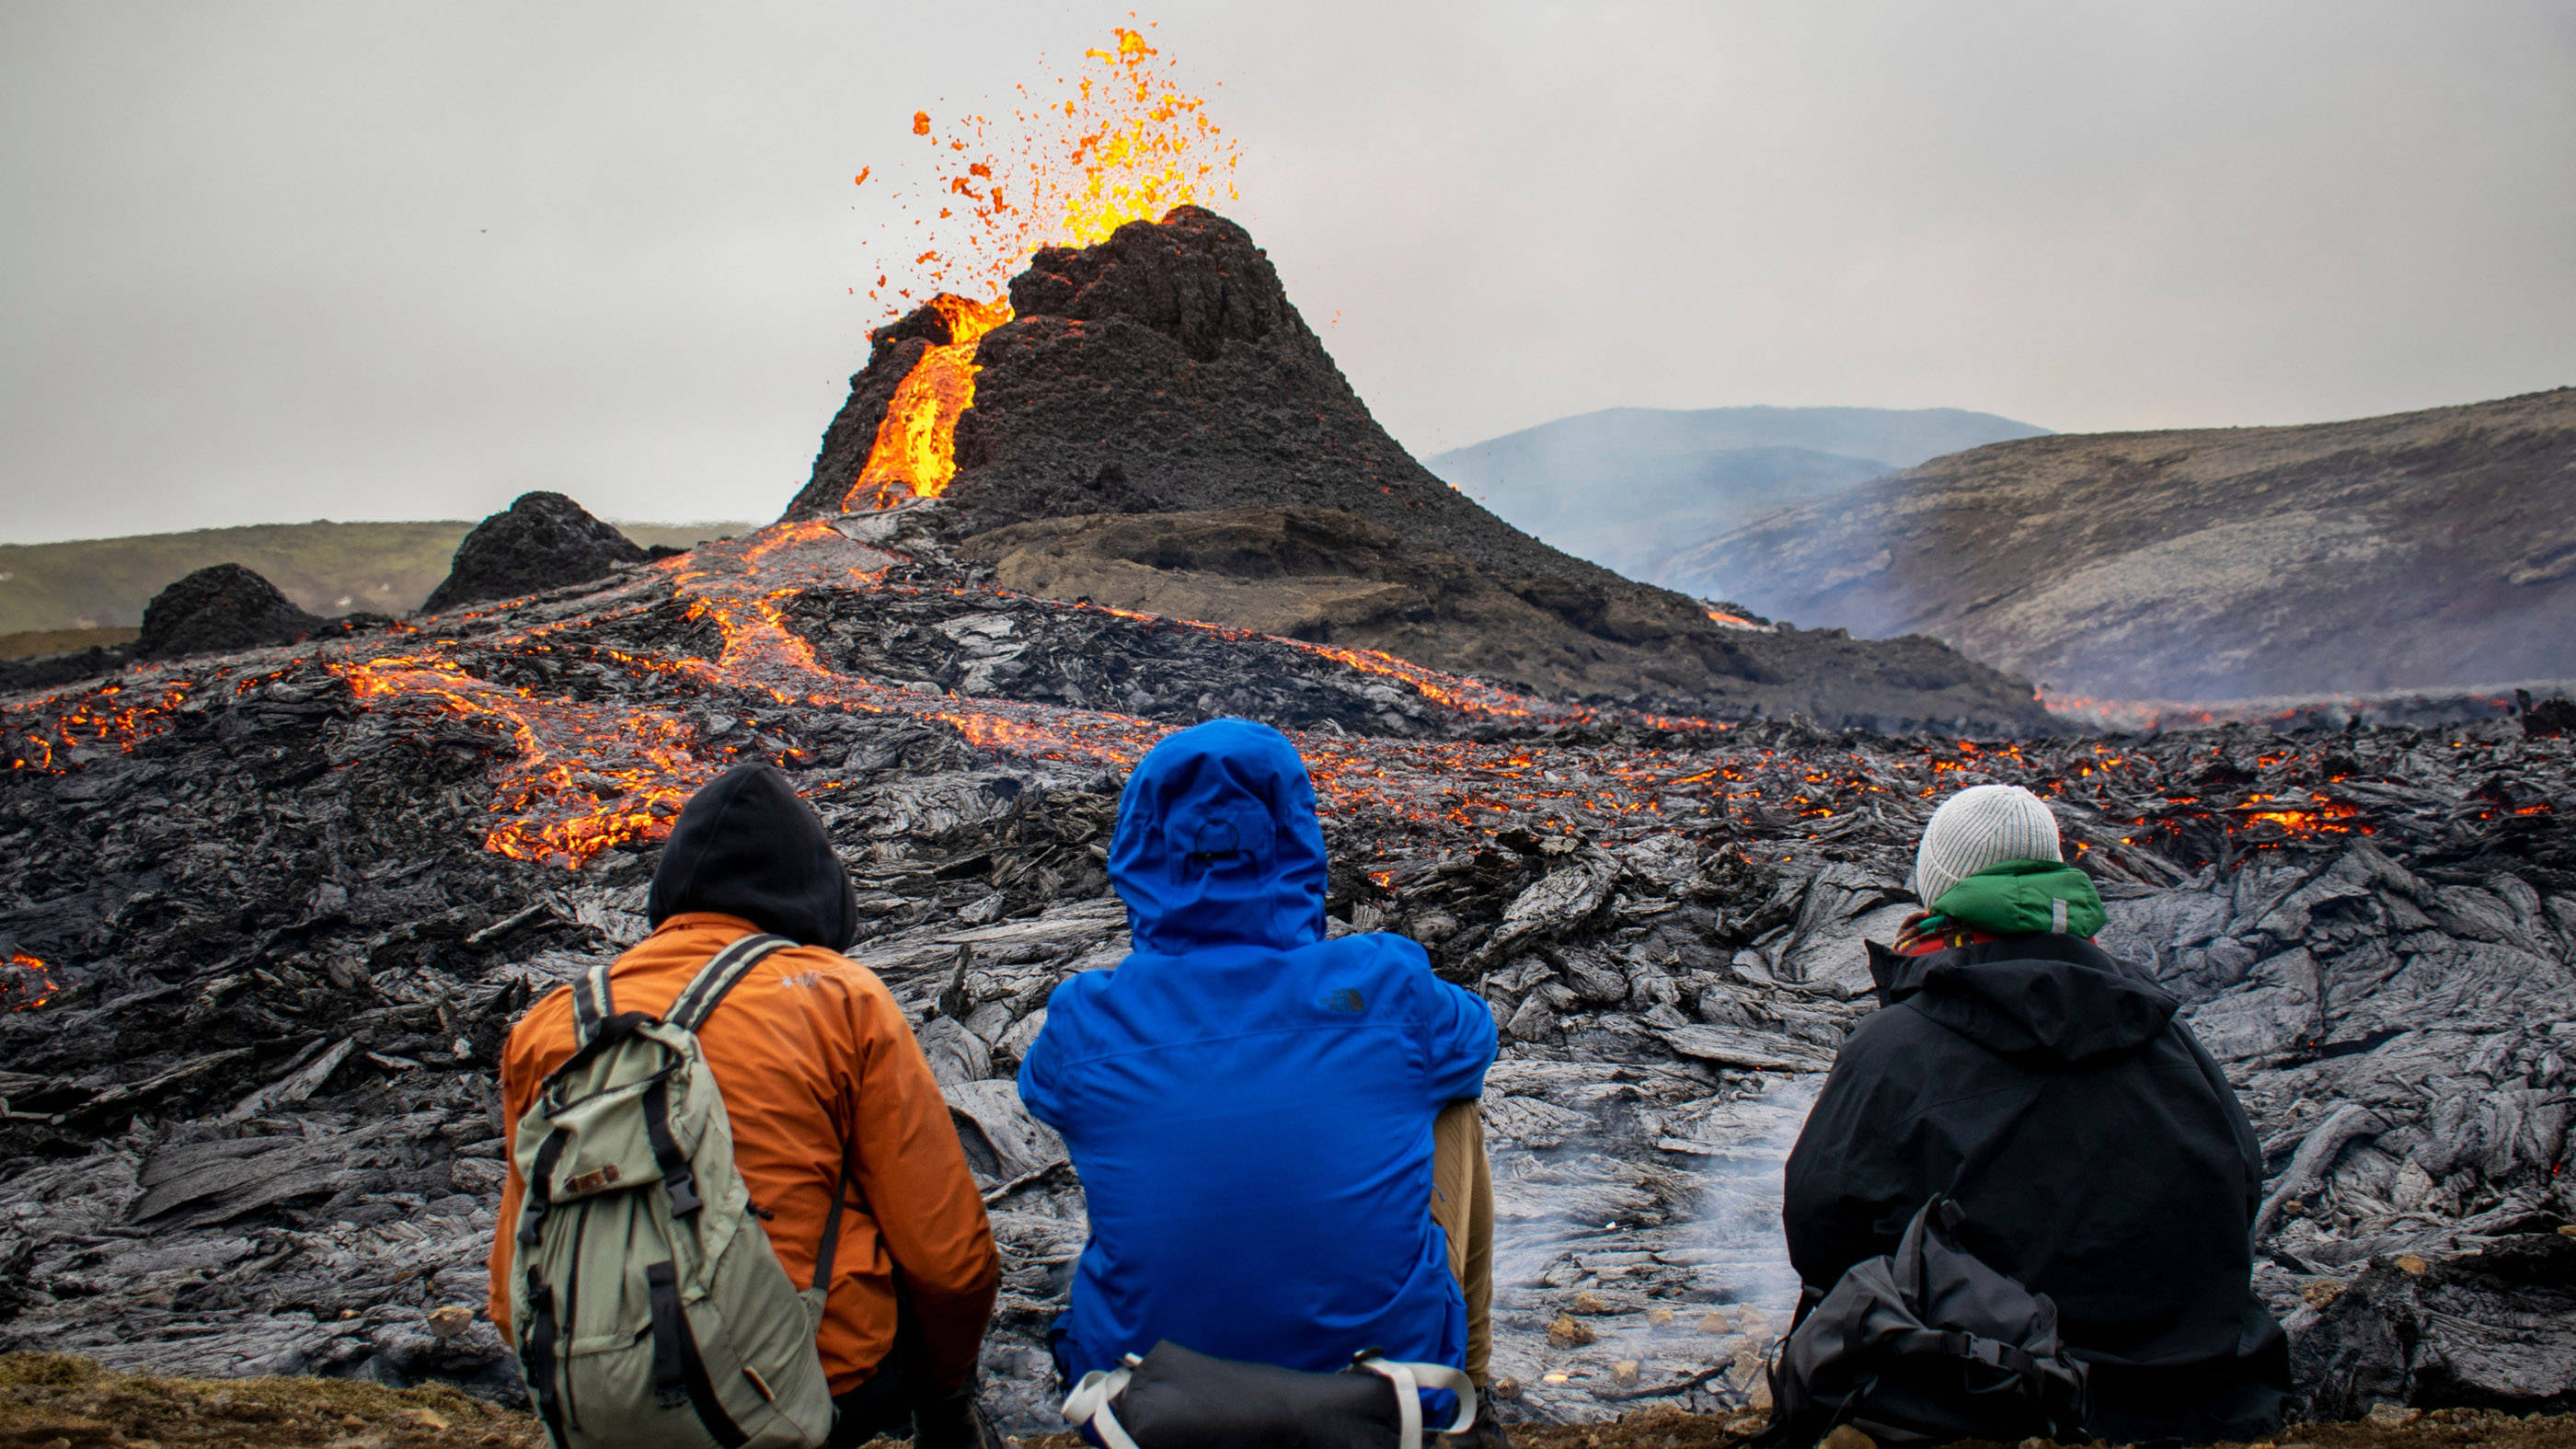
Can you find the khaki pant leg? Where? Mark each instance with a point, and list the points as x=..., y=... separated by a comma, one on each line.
x=1462, y=1203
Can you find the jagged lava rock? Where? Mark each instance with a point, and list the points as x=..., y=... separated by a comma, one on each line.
x=217, y=610
x=542, y=541
x=2494, y=1328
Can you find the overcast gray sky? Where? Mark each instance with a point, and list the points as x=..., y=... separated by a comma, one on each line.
x=272, y=262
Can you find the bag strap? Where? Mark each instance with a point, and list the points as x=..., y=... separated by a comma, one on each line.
x=1410, y=1379
x=1093, y=1400
x=1089, y=1404
x=699, y=999
x=593, y=1003
x=832, y=1224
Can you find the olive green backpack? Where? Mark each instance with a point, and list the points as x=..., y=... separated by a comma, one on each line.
x=649, y=1308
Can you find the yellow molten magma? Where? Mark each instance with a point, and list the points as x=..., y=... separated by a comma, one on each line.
x=915, y=453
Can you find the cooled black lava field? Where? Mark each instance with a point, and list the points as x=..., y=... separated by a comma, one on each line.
x=269, y=916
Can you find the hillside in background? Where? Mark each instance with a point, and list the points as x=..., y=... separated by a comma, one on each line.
x=326, y=568
x=2417, y=550
x=1623, y=486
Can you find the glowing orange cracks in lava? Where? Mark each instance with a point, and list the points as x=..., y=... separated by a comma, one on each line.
x=27, y=984
x=915, y=453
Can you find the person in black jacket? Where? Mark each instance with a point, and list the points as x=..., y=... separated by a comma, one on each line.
x=2099, y=1154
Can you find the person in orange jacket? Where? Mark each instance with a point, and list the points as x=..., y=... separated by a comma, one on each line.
x=815, y=1061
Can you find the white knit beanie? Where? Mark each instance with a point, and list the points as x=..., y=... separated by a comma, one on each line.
x=1980, y=826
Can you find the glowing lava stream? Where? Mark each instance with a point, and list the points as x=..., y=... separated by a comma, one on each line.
x=915, y=453
x=584, y=776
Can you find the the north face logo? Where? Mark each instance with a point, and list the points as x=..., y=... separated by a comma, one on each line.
x=1346, y=1000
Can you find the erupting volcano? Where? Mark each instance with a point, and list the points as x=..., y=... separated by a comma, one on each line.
x=1121, y=143
x=269, y=914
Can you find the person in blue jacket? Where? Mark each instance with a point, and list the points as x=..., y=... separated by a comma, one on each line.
x=1251, y=1107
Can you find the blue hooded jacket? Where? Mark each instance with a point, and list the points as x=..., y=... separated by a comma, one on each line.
x=1250, y=1105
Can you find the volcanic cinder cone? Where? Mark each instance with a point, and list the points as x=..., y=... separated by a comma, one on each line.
x=1157, y=428
x=217, y=609
x=541, y=541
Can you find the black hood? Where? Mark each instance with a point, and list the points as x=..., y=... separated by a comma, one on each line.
x=748, y=847
x=2047, y=998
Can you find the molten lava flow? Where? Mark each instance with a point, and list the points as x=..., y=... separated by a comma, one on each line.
x=620, y=737
x=1122, y=142
x=114, y=715
x=1733, y=621
x=915, y=453
x=26, y=984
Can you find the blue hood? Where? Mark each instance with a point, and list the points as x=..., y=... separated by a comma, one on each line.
x=1218, y=844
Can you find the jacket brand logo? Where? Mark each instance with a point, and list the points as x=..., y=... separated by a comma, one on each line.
x=1347, y=1000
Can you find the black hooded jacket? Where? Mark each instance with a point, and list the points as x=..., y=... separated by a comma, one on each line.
x=747, y=846
x=2099, y=1154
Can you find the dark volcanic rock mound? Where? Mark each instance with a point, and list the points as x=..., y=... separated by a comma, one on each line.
x=1165, y=373
x=542, y=541
x=217, y=610
x=2404, y=552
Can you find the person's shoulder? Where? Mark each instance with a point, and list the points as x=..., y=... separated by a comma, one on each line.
x=826, y=974
x=1895, y=1037
x=1077, y=992
x=1397, y=968
x=1382, y=950
x=542, y=1036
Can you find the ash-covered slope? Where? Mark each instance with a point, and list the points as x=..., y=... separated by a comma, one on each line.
x=2418, y=550
x=1154, y=388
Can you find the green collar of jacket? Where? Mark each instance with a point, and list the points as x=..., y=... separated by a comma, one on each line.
x=2023, y=897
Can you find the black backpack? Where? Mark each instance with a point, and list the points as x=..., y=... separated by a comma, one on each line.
x=1924, y=1346
x=1172, y=1398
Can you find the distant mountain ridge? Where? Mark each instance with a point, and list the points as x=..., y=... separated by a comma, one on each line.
x=2416, y=550
x=1624, y=487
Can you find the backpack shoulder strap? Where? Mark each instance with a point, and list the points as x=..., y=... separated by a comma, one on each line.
x=593, y=1003
x=699, y=999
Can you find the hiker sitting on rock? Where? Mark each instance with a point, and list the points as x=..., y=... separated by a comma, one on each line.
x=2096, y=1152
x=1276, y=1132
x=838, y=1133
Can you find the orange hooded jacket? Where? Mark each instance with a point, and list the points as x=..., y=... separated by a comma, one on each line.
x=811, y=1053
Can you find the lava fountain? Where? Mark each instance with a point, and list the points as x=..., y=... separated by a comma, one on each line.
x=1122, y=142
